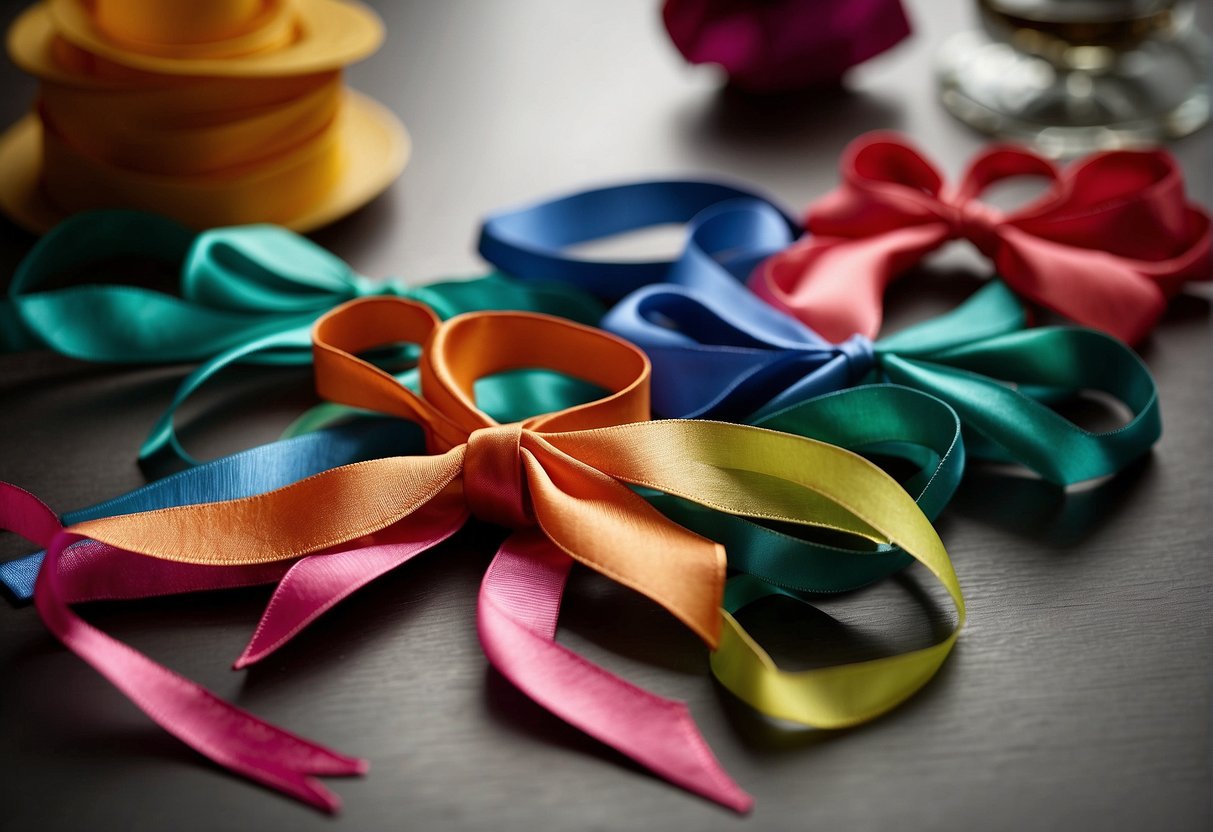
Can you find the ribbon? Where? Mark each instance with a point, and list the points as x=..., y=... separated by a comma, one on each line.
x=563, y=481
x=226, y=114
x=1110, y=242
x=719, y=353
x=710, y=361
x=733, y=234
x=531, y=241
x=247, y=294
x=242, y=474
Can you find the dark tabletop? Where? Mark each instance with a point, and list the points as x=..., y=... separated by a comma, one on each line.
x=1078, y=696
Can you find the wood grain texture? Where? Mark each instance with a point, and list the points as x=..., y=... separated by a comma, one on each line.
x=1079, y=694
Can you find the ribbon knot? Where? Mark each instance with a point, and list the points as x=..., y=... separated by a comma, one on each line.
x=367, y=287
x=493, y=481
x=860, y=355
x=1109, y=243
x=324, y=537
x=977, y=222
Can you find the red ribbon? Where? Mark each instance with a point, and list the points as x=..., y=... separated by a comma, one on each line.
x=1110, y=242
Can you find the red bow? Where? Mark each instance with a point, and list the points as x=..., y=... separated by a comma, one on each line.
x=1107, y=246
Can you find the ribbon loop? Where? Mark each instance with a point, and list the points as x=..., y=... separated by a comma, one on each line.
x=583, y=468
x=494, y=486
x=860, y=355
x=531, y=241
x=977, y=222
x=266, y=269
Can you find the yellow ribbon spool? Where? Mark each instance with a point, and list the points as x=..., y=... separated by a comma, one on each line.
x=218, y=113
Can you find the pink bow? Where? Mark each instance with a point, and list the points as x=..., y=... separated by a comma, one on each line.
x=1110, y=242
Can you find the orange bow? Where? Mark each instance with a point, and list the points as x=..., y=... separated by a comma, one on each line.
x=561, y=480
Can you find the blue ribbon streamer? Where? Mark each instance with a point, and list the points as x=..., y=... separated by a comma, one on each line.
x=249, y=472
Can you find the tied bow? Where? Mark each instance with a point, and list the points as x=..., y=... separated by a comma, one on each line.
x=562, y=481
x=711, y=360
x=1107, y=246
x=247, y=294
x=718, y=351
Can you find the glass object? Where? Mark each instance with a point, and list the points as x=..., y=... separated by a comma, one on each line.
x=1073, y=76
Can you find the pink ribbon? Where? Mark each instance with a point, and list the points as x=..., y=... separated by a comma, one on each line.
x=1108, y=245
x=517, y=612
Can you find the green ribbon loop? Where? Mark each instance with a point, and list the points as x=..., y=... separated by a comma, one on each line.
x=1000, y=378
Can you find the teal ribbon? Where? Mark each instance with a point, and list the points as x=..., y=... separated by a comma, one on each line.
x=711, y=361
x=1001, y=378
x=246, y=294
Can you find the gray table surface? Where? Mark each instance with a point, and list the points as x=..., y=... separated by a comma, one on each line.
x=1077, y=698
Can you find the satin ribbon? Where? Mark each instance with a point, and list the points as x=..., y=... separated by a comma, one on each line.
x=247, y=294
x=531, y=241
x=736, y=232
x=710, y=361
x=1110, y=242
x=242, y=474
x=719, y=354
x=561, y=480
x=208, y=151
x=233, y=113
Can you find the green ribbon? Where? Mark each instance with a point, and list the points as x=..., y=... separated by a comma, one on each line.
x=1001, y=378
x=246, y=294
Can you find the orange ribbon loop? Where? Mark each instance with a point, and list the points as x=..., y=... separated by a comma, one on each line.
x=498, y=492
x=511, y=474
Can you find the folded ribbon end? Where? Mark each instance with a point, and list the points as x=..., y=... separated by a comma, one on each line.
x=307, y=789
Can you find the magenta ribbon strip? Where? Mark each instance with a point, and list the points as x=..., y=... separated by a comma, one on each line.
x=517, y=615
x=517, y=611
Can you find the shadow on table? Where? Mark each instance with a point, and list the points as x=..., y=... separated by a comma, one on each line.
x=801, y=123
x=1044, y=512
x=512, y=709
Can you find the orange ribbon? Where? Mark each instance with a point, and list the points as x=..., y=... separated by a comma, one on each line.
x=562, y=481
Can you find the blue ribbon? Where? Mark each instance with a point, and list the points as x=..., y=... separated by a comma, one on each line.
x=531, y=242
x=719, y=352
x=254, y=471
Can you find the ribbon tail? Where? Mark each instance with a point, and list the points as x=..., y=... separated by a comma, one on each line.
x=317, y=583
x=518, y=607
x=227, y=735
x=1092, y=288
x=254, y=471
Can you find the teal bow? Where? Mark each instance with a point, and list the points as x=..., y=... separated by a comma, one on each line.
x=712, y=360
x=246, y=294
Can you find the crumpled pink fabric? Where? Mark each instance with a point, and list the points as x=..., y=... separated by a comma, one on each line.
x=784, y=45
